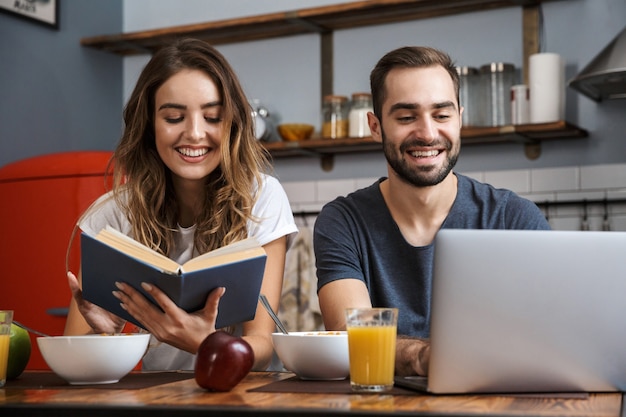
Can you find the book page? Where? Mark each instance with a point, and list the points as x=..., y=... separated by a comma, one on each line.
x=236, y=251
x=231, y=248
x=131, y=247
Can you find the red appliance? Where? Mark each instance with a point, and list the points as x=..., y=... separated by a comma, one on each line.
x=41, y=198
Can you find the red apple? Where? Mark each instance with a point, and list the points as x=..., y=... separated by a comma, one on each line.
x=223, y=360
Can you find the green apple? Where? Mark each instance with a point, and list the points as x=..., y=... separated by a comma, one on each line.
x=19, y=351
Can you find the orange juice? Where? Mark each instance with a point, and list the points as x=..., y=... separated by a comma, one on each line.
x=4, y=355
x=372, y=354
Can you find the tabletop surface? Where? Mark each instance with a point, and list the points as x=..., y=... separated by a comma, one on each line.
x=274, y=393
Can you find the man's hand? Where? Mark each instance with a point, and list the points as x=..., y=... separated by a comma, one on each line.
x=412, y=356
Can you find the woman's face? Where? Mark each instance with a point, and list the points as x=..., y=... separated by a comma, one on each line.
x=188, y=125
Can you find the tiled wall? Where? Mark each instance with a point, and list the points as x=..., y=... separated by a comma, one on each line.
x=593, y=183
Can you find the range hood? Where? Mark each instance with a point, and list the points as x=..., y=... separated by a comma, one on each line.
x=604, y=78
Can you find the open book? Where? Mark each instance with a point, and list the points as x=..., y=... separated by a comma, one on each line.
x=111, y=256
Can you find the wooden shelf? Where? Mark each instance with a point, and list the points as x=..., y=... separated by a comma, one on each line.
x=526, y=134
x=320, y=146
x=297, y=22
x=324, y=21
x=529, y=134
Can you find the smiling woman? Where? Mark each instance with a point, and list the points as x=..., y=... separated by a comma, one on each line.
x=189, y=177
x=188, y=125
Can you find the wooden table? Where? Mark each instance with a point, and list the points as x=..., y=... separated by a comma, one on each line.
x=185, y=398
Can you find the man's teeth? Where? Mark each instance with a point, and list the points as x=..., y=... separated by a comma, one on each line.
x=424, y=154
x=192, y=152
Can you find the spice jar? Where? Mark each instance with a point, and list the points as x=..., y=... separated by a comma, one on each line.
x=335, y=117
x=361, y=105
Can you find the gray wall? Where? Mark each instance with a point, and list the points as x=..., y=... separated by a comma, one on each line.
x=284, y=73
x=84, y=109
x=56, y=95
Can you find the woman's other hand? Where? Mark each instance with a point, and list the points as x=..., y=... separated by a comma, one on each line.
x=170, y=324
x=97, y=318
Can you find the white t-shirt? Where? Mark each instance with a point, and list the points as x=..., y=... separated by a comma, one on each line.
x=275, y=220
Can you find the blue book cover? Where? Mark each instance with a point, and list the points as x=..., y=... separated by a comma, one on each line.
x=239, y=271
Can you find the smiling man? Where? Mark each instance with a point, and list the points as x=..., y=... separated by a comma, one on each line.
x=375, y=246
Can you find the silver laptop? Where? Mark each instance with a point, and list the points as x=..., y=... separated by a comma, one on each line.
x=528, y=311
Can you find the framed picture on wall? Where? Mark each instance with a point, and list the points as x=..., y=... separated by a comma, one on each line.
x=44, y=12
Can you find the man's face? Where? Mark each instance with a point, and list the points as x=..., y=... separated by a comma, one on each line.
x=421, y=125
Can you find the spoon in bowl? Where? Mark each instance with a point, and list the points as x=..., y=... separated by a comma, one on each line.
x=273, y=315
x=28, y=329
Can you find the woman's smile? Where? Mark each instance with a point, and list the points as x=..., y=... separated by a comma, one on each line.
x=192, y=154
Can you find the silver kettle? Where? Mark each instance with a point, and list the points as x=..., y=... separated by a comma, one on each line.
x=262, y=121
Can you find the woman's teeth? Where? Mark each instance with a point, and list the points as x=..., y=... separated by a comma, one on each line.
x=192, y=152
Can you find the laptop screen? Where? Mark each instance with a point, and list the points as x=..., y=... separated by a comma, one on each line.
x=528, y=311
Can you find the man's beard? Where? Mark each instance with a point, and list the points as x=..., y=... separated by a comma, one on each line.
x=424, y=176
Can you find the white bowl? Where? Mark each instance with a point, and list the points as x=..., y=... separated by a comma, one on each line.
x=93, y=359
x=314, y=355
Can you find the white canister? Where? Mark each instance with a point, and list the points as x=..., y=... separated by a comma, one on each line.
x=546, y=78
x=520, y=104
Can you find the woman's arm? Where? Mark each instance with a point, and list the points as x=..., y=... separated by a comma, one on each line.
x=258, y=332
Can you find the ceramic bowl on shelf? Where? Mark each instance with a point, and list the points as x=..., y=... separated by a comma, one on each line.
x=319, y=355
x=93, y=359
x=295, y=131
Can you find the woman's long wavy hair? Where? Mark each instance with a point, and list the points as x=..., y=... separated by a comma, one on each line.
x=142, y=182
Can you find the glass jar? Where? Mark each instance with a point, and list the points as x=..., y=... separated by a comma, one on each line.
x=335, y=117
x=469, y=96
x=497, y=78
x=360, y=106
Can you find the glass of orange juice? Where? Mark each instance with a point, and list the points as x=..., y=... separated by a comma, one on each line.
x=6, y=318
x=372, y=347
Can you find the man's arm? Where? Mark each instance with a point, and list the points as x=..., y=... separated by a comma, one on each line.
x=335, y=297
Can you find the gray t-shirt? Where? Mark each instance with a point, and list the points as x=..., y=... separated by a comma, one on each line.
x=356, y=237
